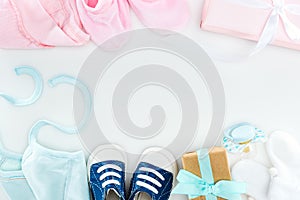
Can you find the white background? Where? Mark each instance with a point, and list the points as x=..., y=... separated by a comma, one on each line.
x=263, y=90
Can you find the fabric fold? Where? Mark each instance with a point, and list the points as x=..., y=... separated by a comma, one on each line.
x=30, y=24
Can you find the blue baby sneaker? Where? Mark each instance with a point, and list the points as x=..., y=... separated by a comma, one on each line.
x=107, y=180
x=107, y=173
x=150, y=182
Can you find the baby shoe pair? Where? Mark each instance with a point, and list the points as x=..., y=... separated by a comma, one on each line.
x=282, y=180
x=107, y=174
x=102, y=19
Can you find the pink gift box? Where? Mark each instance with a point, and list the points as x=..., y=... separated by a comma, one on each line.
x=247, y=22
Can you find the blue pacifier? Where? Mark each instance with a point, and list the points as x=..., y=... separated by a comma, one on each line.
x=239, y=137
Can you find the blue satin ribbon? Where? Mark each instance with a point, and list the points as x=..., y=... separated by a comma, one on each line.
x=194, y=186
x=39, y=85
x=66, y=129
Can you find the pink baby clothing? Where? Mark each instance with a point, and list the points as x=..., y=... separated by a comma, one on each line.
x=65, y=15
x=104, y=19
x=34, y=24
x=164, y=14
x=45, y=23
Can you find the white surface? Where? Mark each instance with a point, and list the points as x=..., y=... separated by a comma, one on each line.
x=263, y=90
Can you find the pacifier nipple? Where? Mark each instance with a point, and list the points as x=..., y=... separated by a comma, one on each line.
x=247, y=149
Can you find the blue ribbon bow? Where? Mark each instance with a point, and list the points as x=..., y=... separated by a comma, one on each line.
x=194, y=186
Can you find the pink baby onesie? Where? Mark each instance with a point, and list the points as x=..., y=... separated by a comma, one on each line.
x=37, y=24
x=163, y=14
x=104, y=19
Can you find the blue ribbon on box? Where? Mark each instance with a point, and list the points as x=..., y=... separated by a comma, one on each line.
x=194, y=186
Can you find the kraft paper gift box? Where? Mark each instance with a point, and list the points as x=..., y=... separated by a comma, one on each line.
x=215, y=165
x=278, y=21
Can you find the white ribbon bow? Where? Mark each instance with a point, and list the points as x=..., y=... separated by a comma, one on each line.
x=279, y=10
